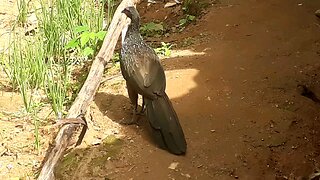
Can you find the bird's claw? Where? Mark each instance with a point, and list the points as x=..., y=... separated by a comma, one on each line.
x=133, y=120
x=141, y=112
x=143, y=108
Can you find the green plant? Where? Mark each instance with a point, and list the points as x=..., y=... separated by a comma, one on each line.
x=57, y=85
x=110, y=10
x=36, y=132
x=26, y=68
x=116, y=57
x=23, y=12
x=36, y=122
x=41, y=65
x=164, y=50
x=151, y=29
x=86, y=42
x=186, y=20
x=68, y=27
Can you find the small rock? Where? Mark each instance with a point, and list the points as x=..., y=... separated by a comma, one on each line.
x=173, y=165
x=170, y=4
x=96, y=142
x=9, y=166
x=186, y=175
x=212, y=130
x=96, y=128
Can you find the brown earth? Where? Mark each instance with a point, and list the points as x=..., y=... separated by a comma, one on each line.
x=248, y=105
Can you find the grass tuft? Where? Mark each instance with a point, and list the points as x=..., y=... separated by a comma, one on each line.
x=40, y=66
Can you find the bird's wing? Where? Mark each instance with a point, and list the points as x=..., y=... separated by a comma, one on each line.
x=150, y=68
x=147, y=68
x=142, y=69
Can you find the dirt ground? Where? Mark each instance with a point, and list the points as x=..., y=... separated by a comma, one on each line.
x=248, y=104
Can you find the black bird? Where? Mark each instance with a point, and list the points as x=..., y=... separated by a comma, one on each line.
x=144, y=75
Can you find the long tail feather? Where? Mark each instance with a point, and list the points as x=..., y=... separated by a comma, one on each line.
x=165, y=125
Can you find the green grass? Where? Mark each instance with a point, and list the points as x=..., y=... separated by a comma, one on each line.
x=23, y=12
x=42, y=64
x=36, y=123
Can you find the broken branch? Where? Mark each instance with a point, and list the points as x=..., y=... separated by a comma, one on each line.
x=87, y=91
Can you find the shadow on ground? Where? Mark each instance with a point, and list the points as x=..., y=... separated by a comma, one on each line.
x=238, y=104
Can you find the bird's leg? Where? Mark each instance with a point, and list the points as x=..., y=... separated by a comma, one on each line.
x=142, y=107
x=135, y=118
x=134, y=101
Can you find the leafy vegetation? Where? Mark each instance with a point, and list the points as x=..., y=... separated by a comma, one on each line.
x=164, y=50
x=152, y=29
x=85, y=44
x=69, y=33
x=186, y=20
x=40, y=66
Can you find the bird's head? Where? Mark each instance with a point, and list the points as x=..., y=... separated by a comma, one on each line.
x=133, y=27
x=132, y=13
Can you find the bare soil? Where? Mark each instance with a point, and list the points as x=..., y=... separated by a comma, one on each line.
x=248, y=105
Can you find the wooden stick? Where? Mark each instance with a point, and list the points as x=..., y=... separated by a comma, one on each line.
x=87, y=91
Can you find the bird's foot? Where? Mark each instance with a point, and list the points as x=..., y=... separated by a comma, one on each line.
x=133, y=120
x=143, y=108
x=141, y=112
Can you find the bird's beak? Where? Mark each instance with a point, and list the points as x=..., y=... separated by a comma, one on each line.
x=126, y=11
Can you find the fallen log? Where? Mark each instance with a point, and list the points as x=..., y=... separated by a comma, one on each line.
x=87, y=92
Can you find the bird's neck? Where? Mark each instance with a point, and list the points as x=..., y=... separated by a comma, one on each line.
x=131, y=31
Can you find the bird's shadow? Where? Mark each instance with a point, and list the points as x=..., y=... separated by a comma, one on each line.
x=118, y=109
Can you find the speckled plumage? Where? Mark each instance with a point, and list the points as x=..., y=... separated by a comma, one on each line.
x=144, y=75
x=141, y=64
